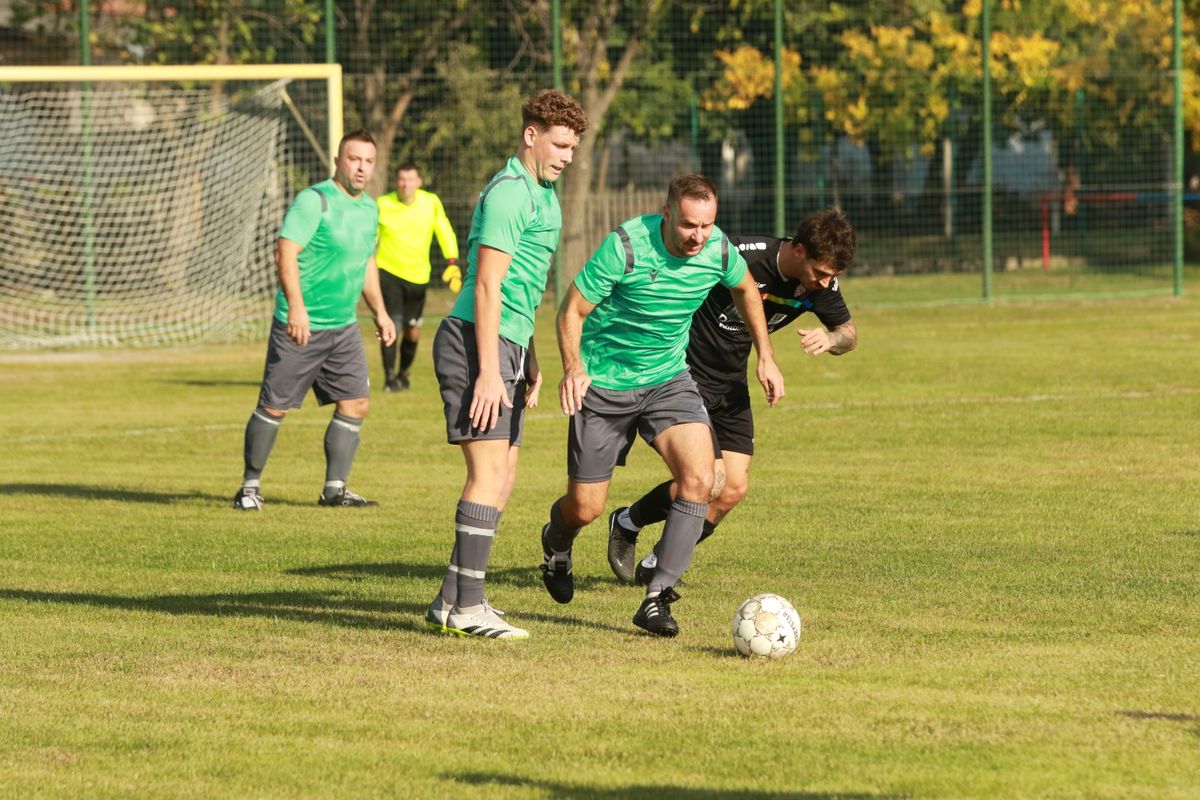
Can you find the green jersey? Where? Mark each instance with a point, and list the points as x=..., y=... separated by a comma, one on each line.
x=519, y=216
x=645, y=298
x=337, y=234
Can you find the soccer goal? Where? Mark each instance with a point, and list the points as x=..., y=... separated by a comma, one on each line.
x=141, y=204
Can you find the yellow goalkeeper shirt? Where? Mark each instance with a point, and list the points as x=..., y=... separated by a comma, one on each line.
x=406, y=231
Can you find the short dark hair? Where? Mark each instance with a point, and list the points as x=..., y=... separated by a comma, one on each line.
x=552, y=107
x=828, y=238
x=693, y=185
x=360, y=135
x=408, y=166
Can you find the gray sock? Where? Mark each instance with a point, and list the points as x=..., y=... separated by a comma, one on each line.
x=341, y=443
x=560, y=537
x=474, y=532
x=261, y=431
x=684, y=525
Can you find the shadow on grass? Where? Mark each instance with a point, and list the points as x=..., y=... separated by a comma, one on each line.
x=521, y=577
x=1187, y=532
x=210, y=383
x=75, y=491
x=296, y=606
x=314, y=607
x=481, y=780
x=1166, y=716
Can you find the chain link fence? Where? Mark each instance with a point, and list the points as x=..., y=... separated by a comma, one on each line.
x=879, y=108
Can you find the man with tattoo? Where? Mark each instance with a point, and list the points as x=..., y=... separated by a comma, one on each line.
x=793, y=276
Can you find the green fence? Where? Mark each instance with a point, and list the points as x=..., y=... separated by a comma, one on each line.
x=1056, y=167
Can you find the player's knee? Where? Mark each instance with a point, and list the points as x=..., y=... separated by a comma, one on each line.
x=357, y=407
x=696, y=485
x=277, y=413
x=734, y=492
x=580, y=511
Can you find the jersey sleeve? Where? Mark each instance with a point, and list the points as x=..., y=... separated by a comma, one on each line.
x=735, y=268
x=506, y=213
x=302, y=218
x=444, y=232
x=830, y=307
x=603, y=270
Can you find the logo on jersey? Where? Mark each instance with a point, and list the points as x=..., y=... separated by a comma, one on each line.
x=752, y=246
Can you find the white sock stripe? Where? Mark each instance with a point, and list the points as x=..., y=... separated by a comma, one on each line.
x=471, y=530
x=346, y=425
x=267, y=418
x=470, y=573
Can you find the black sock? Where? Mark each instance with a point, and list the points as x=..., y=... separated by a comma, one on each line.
x=709, y=529
x=408, y=352
x=559, y=537
x=651, y=507
x=388, y=351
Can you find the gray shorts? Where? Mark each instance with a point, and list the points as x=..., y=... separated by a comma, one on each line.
x=333, y=363
x=602, y=432
x=456, y=362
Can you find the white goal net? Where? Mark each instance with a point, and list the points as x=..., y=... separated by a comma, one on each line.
x=138, y=214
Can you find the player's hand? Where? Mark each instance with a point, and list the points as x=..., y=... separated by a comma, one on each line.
x=488, y=396
x=452, y=277
x=385, y=328
x=297, y=324
x=815, y=341
x=772, y=380
x=571, y=389
x=533, y=386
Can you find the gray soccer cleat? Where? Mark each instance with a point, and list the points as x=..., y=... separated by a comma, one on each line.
x=622, y=548
x=247, y=499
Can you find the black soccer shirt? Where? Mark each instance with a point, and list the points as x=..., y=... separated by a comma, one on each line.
x=720, y=343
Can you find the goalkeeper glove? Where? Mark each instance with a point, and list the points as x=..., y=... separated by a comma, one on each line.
x=452, y=276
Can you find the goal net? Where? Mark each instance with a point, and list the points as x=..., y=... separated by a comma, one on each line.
x=142, y=211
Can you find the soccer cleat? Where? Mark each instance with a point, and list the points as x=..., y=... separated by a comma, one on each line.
x=654, y=615
x=483, y=623
x=556, y=571
x=247, y=499
x=622, y=547
x=403, y=381
x=346, y=499
x=392, y=384
x=436, y=614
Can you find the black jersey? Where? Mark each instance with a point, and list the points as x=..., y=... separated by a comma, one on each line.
x=720, y=344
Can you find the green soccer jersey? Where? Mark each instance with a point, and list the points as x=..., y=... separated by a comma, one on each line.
x=521, y=217
x=645, y=297
x=337, y=233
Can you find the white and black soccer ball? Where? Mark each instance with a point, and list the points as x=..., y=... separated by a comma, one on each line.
x=766, y=626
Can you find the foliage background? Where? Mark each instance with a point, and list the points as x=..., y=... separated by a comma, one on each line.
x=882, y=110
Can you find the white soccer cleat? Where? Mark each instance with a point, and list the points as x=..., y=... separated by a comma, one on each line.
x=247, y=499
x=483, y=623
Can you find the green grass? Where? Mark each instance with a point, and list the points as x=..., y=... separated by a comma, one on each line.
x=988, y=517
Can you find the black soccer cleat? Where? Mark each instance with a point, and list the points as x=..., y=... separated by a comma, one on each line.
x=346, y=499
x=654, y=616
x=556, y=572
x=642, y=575
x=622, y=547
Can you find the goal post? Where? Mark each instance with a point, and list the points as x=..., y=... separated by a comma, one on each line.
x=142, y=202
x=330, y=73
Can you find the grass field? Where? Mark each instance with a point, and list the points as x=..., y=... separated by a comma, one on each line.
x=988, y=517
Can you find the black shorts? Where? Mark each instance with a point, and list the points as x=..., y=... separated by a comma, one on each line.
x=404, y=301
x=732, y=418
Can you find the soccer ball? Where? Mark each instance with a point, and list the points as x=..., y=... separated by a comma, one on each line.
x=766, y=626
